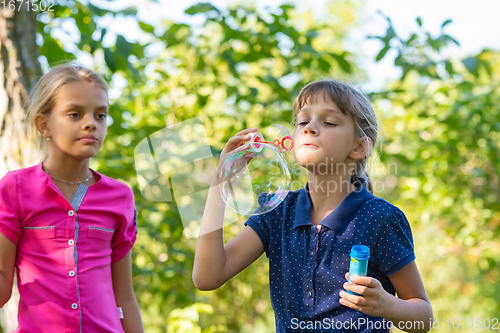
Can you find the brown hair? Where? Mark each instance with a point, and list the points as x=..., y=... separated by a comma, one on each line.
x=350, y=101
x=44, y=95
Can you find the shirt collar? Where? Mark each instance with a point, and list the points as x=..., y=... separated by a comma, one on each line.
x=340, y=217
x=51, y=184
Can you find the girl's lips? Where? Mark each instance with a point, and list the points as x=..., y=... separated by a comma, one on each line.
x=88, y=140
x=308, y=145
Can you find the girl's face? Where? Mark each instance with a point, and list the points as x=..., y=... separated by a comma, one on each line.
x=326, y=137
x=77, y=123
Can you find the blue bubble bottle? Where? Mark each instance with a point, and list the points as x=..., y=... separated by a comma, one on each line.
x=359, y=263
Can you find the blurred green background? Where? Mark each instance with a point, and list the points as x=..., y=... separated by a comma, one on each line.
x=240, y=67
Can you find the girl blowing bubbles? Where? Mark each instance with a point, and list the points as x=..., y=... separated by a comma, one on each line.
x=66, y=228
x=308, y=237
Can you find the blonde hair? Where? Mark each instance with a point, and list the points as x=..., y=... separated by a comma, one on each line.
x=44, y=95
x=350, y=101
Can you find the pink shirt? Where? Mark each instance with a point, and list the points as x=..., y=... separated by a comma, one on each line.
x=65, y=250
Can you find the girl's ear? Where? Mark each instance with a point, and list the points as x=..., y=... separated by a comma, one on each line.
x=361, y=149
x=41, y=123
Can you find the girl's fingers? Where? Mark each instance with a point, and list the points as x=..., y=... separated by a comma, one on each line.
x=346, y=302
x=235, y=142
x=354, y=299
x=246, y=131
x=361, y=290
x=238, y=140
x=365, y=280
x=242, y=136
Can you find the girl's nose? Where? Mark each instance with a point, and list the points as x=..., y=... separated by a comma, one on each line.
x=91, y=125
x=309, y=129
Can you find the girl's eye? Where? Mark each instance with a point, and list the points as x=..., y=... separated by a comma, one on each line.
x=303, y=123
x=102, y=116
x=73, y=115
x=331, y=124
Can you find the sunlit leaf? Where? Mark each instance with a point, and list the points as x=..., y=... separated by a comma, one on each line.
x=202, y=7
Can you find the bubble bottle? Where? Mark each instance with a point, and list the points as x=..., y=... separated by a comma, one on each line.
x=255, y=178
x=359, y=263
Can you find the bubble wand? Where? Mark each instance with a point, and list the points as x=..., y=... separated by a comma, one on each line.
x=255, y=178
x=256, y=138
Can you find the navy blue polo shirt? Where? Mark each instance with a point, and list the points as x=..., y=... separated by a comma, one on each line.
x=307, y=268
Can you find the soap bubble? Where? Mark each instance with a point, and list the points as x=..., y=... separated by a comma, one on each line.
x=254, y=180
x=279, y=137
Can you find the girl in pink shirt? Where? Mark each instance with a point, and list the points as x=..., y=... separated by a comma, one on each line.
x=67, y=228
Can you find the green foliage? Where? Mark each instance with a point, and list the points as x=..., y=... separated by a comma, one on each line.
x=242, y=68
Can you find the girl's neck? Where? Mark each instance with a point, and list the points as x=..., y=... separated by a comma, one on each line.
x=68, y=169
x=328, y=191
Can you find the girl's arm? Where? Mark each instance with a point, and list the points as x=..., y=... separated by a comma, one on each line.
x=214, y=262
x=121, y=273
x=411, y=311
x=8, y=250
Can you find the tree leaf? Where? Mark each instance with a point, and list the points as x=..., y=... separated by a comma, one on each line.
x=471, y=63
x=343, y=63
x=54, y=52
x=110, y=59
x=446, y=23
x=146, y=27
x=202, y=7
x=449, y=67
x=131, y=11
x=123, y=47
x=382, y=52
x=452, y=39
x=390, y=33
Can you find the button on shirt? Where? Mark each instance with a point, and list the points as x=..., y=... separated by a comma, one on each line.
x=307, y=266
x=65, y=250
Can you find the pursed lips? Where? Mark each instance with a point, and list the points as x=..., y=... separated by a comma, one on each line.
x=88, y=139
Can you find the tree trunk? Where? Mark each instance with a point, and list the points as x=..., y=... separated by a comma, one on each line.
x=19, y=71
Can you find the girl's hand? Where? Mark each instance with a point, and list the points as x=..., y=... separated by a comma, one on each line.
x=237, y=140
x=234, y=143
x=374, y=300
